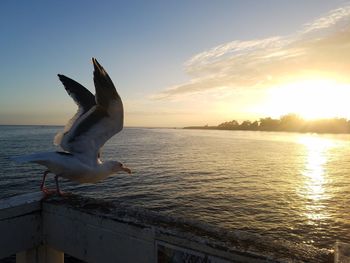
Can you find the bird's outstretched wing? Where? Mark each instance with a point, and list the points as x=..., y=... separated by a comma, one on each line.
x=82, y=97
x=91, y=131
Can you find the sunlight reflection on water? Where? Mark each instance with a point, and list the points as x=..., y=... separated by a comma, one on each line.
x=282, y=185
x=315, y=176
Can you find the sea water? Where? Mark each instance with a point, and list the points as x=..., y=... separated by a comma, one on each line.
x=280, y=185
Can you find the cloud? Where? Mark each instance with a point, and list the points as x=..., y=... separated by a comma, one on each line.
x=339, y=17
x=321, y=47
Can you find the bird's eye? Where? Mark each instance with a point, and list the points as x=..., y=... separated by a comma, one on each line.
x=120, y=164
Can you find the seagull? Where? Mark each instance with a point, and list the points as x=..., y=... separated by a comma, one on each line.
x=98, y=118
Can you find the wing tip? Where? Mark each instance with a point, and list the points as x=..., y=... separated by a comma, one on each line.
x=94, y=61
x=97, y=66
x=61, y=77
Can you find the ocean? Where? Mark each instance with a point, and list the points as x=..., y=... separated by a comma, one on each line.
x=287, y=186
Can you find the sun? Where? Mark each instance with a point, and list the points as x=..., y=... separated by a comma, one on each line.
x=310, y=99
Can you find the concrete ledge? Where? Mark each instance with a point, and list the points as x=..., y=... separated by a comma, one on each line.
x=21, y=204
x=96, y=239
x=98, y=231
x=166, y=232
x=21, y=233
x=20, y=224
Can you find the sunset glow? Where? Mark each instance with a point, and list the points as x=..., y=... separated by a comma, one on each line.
x=311, y=99
x=192, y=68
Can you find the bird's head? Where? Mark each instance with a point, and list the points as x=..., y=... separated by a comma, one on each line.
x=116, y=166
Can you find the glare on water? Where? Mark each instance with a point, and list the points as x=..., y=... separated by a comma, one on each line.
x=282, y=185
x=315, y=175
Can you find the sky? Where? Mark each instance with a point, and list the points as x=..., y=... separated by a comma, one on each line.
x=177, y=63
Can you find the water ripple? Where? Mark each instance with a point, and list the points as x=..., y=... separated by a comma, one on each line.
x=279, y=185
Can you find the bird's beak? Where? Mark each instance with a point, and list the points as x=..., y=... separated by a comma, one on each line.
x=126, y=169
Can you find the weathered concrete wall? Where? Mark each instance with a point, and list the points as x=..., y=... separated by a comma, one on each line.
x=96, y=239
x=93, y=236
x=97, y=231
x=20, y=224
x=146, y=236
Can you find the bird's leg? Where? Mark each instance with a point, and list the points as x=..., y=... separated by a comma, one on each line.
x=42, y=185
x=58, y=187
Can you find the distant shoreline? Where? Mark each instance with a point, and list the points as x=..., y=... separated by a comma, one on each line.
x=287, y=123
x=215, y=128
x=62, y=125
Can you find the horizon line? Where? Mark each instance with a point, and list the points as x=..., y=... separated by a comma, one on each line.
x=60, y=125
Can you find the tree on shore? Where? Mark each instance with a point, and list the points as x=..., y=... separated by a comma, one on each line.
x=230, y=125
x=268, y=124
